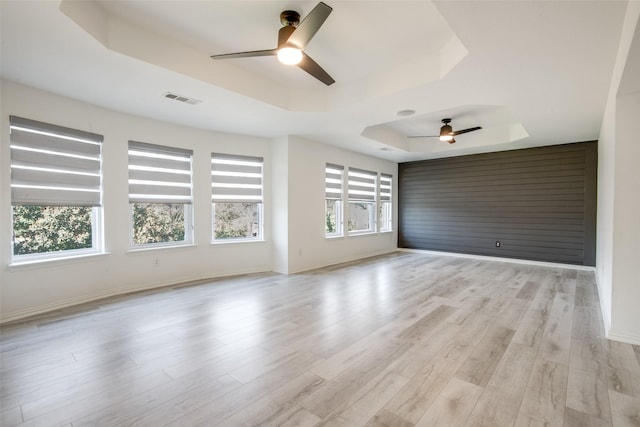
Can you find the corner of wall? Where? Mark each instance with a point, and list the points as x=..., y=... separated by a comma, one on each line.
x=616, y=227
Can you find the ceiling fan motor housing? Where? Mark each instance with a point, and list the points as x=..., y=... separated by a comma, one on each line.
x=289, y=18
x=446, y=130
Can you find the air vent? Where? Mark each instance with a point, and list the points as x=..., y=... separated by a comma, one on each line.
x=181, y=98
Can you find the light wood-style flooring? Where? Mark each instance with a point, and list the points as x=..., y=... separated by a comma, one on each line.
x=401, y=340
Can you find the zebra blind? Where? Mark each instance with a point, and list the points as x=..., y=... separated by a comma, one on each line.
x=362, y=185
x=236, y=178
x=385, y=187
x=159, y=174
x=333, y=181
x=54, y=165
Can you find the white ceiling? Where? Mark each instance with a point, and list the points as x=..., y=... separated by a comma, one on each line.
x=529, y=72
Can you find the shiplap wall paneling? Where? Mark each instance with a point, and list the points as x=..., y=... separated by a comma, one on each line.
x=539, y=203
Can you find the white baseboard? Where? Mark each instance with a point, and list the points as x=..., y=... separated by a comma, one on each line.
x=622, y=337
x=61, y=305
x=500, y=259
x=604, y=310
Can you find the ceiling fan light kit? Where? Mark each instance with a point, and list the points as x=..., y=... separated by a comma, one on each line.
x=293, y=37
x=289, y=55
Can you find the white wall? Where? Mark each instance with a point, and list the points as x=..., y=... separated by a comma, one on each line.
x=293, y=206
x=280, y=205
x=618, y=232
x=308, y=246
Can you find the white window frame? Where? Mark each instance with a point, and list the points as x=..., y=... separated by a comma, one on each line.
x=97, y=245
x=333, y=186
x=372, y=207
x=171, y=154
x=188, y=232
x=222, y=183
x=362, y=188
x=97, y=228
x=385, y=195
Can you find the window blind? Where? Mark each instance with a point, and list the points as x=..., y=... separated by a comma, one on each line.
x=159, y=174
x=385, y=187
x=236, y=178
x=54, y=165
x=333, y=181
x=362, y=185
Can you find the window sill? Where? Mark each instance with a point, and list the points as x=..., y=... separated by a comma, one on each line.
x=232, y=241
x=336, y=237
x=148, y=249
x=53, y=261
x=363, y=233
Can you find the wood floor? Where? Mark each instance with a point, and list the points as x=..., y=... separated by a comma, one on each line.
x=401, y=340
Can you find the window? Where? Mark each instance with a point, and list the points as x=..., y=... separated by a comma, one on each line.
x=159, y=195
x=236, y=195
x=386, y=223
x=333, y=200
x=56, y=190
x=362, y=201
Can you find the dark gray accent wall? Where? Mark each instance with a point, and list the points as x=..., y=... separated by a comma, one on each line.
x=539, y=203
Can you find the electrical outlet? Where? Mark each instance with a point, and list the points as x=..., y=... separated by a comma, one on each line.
x=497, y=243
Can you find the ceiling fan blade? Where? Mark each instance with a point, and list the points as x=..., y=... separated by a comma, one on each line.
x=424, y=136
x=460, y=132
x=311, y=67
x=248, y=54
x=309, y=25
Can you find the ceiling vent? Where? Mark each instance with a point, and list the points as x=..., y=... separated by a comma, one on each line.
x=181, y=98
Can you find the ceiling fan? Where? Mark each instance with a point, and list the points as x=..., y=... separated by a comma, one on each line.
x=447, y=133
x=293, y=37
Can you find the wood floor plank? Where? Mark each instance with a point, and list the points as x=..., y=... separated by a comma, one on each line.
x=496, y=407
x=623, y=373
x=453, y=405
x=74, y=410
x=245, y=395
x=625, y=410
x=587, y=392
x=425, y=351
x=385, y=418
x=297, y=416
x=529, y=290
x=500, y=401
x=573, y=418
x=586, y=294
x=359, y=350
x=484, y=358
x=367, y=402
x=280, y=406
x=535, y=319
x=413, y=400
x=335, y=392
x=545, y=397
x=398, y=340
x=153, y=404
x=514, y=369
x=11, y=417
x=556, y=339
